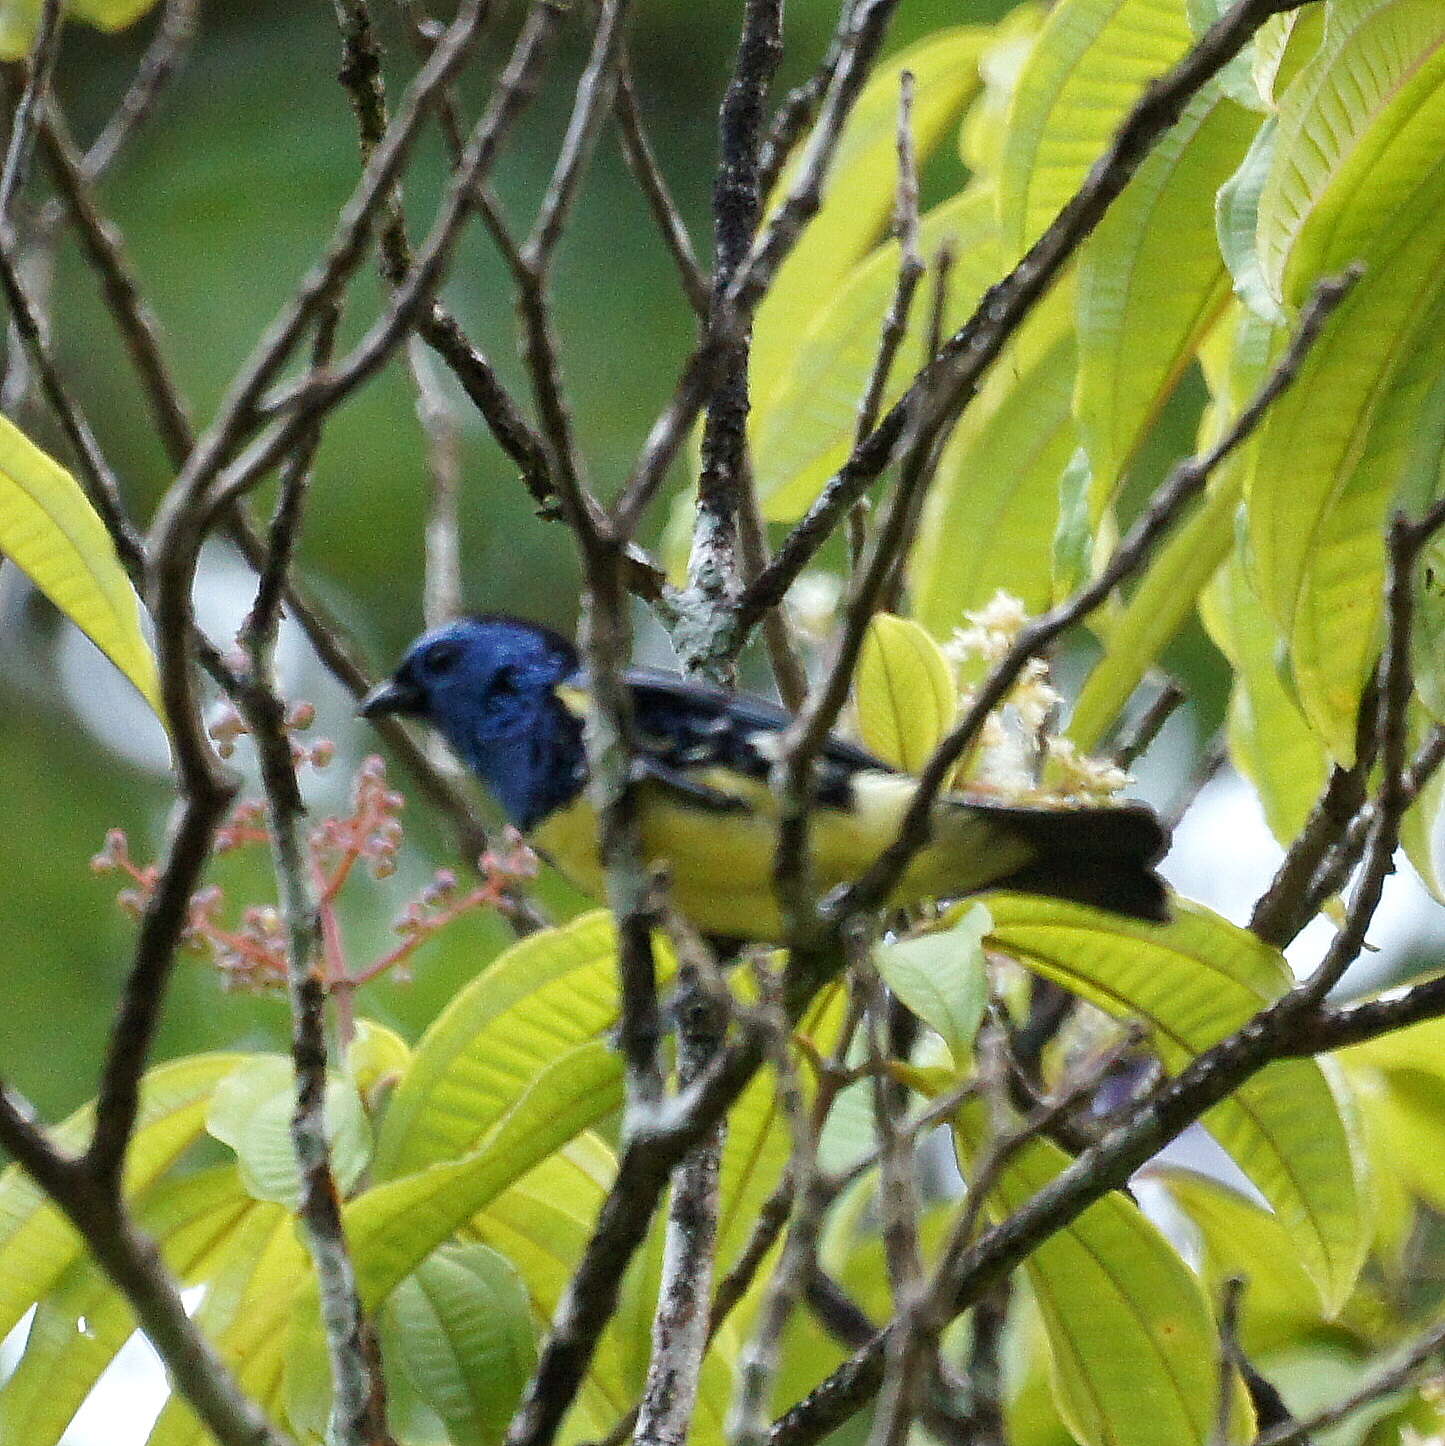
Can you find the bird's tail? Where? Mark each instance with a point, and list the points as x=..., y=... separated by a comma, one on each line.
x=1099, y=856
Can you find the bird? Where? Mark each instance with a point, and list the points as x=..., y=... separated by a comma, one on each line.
x=510, y=697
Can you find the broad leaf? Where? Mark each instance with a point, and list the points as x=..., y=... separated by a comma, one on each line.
x=1329, y=457
x=1130, y=1332
x=461, y=1328
x=1359, y=142
x=51, y=532
x=1151, y=282
x=904, y=692
x=20, y=20
x=36, y=1243
x=251, y=1111
x=858, y=200
x=83, y=1323
x=942, y=978
x=1193, y=982
x=1089, y=66
x=539, y=999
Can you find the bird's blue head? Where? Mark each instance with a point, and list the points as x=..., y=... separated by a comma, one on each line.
x=486, y=684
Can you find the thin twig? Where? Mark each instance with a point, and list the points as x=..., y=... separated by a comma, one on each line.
x=25, y=119
x=1393, y=1378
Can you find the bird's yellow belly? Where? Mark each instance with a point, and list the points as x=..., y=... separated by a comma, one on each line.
x=720, y=863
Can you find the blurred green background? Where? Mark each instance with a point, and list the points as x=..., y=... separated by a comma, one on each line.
x=224, y=198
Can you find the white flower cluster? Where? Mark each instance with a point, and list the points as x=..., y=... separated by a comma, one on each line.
x=1020, y=753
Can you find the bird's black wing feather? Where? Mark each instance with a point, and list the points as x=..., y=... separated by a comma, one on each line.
x=683, y=725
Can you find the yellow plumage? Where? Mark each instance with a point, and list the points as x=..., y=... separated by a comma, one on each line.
x=720, y=863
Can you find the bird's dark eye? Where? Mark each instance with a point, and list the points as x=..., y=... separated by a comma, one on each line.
x=505, y=683
x=443, y=658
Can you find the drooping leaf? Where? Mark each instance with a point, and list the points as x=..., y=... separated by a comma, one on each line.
x=1193, y=982
x=51, y=532
x=1151, y=282
x=1088, y=67
x=1282, y=45
x=991, y=513
x=251, y=1112
x=803, y=428
x=859, y=197
x=904, y=692
x=1269, y=740
x=461, y=1328
x=942, y=978
x=1129, y=1328
x=397, y=1224
x=247, y=1312
x=1359, y=142
x=1241, y=1238
x=1328, y=458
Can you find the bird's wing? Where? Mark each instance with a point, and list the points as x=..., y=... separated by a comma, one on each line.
x=692, y=736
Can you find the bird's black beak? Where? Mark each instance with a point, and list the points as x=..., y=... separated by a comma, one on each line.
x=395, y=695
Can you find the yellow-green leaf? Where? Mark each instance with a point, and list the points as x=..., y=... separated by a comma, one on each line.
x=1193, y=982
x=860, y=192
x=36, y=1243
x=1129, y=1329
x=1090, y=64
x=991, y=513
x=396, y=1225
x=537, y=1000
x=1269, y=740
x=1359, y=141
x=81, y=1325
x=1328, y=458
x=904, y=692
x=941, y=977
x=51, y=532
x=1240, y=1238
x=802, y=429
x=20, y=20
x=1151, y=282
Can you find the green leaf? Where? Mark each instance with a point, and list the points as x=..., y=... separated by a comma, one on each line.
x=539, y=999
x=942, y=978
x=992, y=511
x=859, y=196
x=1327, y=460
x=1090, y=65
x=1282, y=45
x=36, y=1243
x=1359, y=142
x=1236, y=219
x=1193, y=982
x=904, y=692
x=802, y=429
x=981, y=137
x=461, y=1328
x=81, y=1325
x=1240, y=1239
x=1157, y=609
x=1151, y=282
x=251, y=1111
x=248, y=1313
x=52, y=533
x=395, y=1226
x=1130, y=1331
x=1269, y=740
